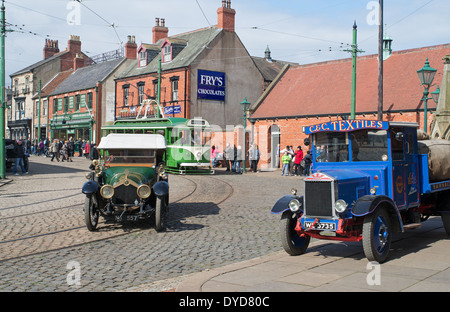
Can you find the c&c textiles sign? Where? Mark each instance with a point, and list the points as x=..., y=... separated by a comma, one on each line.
x=211, y=85
x=347, y=126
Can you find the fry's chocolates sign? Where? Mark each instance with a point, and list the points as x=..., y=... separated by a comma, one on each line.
x=347, y=126
x=211, y=85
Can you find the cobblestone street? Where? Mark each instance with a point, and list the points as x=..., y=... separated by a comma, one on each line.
x=213, y=221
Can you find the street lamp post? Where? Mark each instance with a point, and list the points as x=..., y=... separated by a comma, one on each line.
x=245, y=106
x=426, y=75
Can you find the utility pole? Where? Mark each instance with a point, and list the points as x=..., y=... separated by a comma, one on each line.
x=39, y=115
x=159, y=87
x=354, y=51
x=2, y=96
x=380, y=63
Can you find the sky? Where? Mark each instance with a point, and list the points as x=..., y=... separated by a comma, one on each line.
x=300, y=31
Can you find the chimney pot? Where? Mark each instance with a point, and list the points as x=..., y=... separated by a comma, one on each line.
x=160, y=31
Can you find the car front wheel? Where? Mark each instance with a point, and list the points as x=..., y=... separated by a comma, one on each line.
x=91, y=212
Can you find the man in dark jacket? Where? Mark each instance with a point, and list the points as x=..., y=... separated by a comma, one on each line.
x=19, y=154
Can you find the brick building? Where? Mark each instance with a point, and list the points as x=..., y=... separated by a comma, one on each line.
x=84, y=100
x=204, y=73
x=315, y=93
x=25, y=85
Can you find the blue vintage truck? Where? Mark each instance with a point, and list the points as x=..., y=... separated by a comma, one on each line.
x=368, y=181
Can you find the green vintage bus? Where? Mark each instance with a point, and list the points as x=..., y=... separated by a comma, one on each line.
x=188, y=141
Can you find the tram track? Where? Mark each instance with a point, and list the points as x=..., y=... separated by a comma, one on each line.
x=18, y=246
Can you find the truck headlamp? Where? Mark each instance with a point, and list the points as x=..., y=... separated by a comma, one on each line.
x=340, y=206
x=294, y=205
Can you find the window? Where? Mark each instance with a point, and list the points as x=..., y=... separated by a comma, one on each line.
x=369, y=145
x=126, y=90
x=77, y=102
x=167, y=53
x=66, y=104
x=155, y=87
x=37, y=108
x=27, y=85
x=142, y=59
x=44, y=107
x=141, y=95
x=55, y=105
x=89, y=100
x=331, y=147
x=174, y=88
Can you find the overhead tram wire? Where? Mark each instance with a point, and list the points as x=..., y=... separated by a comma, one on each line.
x=109, y=24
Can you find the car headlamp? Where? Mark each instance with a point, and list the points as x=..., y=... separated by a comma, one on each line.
x=107, y=191
x=340, y=206
x=144, y=191
x=294, y=205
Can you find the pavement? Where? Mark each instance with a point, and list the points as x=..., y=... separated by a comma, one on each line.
x=419, y=261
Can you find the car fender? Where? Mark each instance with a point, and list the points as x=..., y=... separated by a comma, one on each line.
x=90, y=187
x=161, y=188
x=283, y=204
x=367, y=204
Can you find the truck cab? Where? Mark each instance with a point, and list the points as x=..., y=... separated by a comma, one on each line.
x=367, y=182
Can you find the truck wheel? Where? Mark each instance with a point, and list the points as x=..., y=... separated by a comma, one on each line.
x=446, y=221
x=293, y=244
x=91, y=213
x=377, y=235
x=160, y=212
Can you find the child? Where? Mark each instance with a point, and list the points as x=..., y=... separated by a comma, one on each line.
x=285, y=160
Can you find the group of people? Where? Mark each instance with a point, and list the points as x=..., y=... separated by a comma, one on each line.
x=233, y=157
x=295, y=163
x=65, y=150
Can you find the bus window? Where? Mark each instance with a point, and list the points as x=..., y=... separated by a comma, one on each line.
x=161, y=131
x=148, y=131
x=129, y=131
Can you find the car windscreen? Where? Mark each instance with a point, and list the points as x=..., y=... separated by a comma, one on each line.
x=115, y=156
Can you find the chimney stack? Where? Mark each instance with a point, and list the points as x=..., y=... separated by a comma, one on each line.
x=131, y=48
x=50, y=48
x=160, y=31
x=226, y=16
x=74, y=45
x=78, y=62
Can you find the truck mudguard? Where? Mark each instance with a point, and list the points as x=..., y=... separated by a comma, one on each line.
x=283, y=204
x=89, y=188
x=367, y=204
x=161, y=188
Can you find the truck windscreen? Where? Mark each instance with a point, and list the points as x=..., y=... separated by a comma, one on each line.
x=361, y=145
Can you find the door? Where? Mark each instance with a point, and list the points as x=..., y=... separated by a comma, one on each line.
x=411, y=168
x=398, y=167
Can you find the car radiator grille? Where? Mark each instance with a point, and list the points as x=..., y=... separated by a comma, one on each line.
x=318, y=199
x=125, y=195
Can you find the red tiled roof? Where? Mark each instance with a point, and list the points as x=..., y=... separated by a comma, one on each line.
x=53, y=83
x=325, y=88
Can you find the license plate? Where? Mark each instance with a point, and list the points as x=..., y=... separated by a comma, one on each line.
x=320, y=225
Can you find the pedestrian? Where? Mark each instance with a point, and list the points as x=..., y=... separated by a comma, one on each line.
x=54, y=150
x=238, y=158
x=233, y=160
x=19, y=154
x=94, y=152
x=308, y=161
x=285, y=160
x=40, y=147
x=81, y=144
x=71, y=147
x=86, y=149
x=254, y=155
x=228, y=155
x=298, y=157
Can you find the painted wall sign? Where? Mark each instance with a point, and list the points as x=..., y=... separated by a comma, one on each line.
x=211, y=85
x=169, y=110
x=347, y=125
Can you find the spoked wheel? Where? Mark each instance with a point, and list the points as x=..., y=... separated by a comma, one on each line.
x=377, y=235
x=160, y=213
x=293, y=243
x=91, y=213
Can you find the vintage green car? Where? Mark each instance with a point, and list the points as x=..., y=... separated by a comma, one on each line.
x=129, y=181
